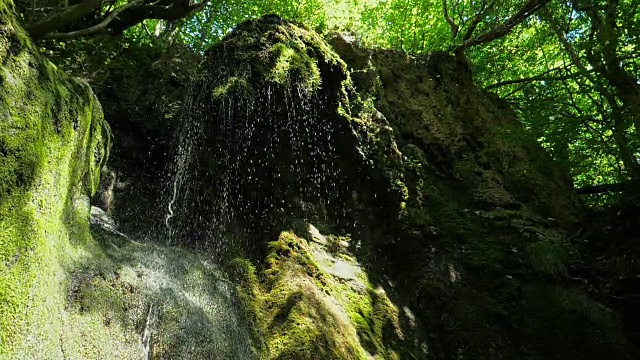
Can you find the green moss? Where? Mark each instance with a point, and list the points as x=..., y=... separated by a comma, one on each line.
x=52, y=140
x=303, y=312
x=234, y=84
x=283, y=53
x=548, y=256
x=290, y=308
x=292, y=61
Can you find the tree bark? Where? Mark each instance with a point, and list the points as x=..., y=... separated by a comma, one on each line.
x=56, y=26
x=61, y=20
x=627, y=156
x=628, y=91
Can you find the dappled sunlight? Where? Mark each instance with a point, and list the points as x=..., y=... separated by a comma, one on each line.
x=190, y=296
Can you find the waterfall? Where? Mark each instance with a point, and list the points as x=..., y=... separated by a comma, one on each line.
x=252, y=143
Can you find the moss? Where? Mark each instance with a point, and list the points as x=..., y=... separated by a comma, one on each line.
x=302, y=312
x=52, y=141
x=235, y=84
x=375, y=319
x=287, y=54
x=548, y=256
x=292, y=60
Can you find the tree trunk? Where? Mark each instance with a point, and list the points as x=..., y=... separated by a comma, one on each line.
x=627, y=156
x=619, y=129
x=629, y=92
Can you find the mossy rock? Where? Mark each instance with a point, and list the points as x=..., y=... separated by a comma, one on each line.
x=53, y=143
x=442, y=195
x=275, y=95
x=476, y=203
x=302, y=310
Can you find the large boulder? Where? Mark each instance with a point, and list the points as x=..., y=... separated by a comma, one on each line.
x=379, y=207
x=266, y=127
x=53, y=143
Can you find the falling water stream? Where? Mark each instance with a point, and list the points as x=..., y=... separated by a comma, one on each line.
x=250, y=146
x=249, y=152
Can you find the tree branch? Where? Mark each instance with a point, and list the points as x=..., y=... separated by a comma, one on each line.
x=60, y=20
x=114, y=22
x=573, y=55
x=452, y=24
x=606, y=188
x=540, y=77
x=96, y=28
x=169, y=10
x=505, y=28
x=476, y=20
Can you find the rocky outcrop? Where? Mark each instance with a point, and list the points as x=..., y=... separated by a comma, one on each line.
x=483, y=214
x=141, y=87
x=53, y=143
x=448, y=227
x=266, y=128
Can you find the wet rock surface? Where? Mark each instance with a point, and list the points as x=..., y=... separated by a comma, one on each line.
x=422, y=190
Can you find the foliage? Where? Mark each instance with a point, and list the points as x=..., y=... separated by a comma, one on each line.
x=555, y=68
x=568, y=69
x=565, y=96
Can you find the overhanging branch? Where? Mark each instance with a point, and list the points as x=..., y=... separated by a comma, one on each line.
x=61, y=20
x=476, y=20
x=114, y=22
x=540, y=77
x=505, y=28
x=96, y=28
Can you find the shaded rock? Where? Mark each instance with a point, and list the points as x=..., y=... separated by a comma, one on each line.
x=457, y=221
x=481, y=212
x=266, y=129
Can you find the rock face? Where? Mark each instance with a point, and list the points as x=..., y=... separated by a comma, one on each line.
x=367, y=204
x=53, y=142
x=479, y=242
x=141, y=90
x=385, y=207
x=266, y=128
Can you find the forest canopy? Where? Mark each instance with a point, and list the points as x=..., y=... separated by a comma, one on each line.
x=570, y=69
